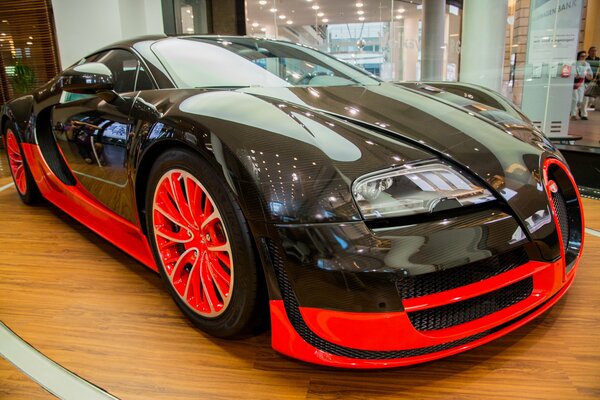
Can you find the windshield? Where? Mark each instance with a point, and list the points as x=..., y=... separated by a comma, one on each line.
x=247, y=62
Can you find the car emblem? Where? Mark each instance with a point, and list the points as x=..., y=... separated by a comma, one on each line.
x=552, y=186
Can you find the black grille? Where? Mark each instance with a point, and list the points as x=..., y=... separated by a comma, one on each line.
x=471, y=309
x=439, y=281
x=560, y=206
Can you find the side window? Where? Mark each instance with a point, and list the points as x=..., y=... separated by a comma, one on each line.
x=144, y=82
x=128, y=73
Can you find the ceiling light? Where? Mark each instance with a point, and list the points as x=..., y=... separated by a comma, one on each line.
x=263, y=29
x=289, y=22
x=320, y=14
x=282, y=16
x=326, y=20
x=273, y=10
x=262, y=2
x=361, y=18
x=29, y=43
x=315, y=7
x=360, y=12
x=255, y=24
x=401, y=10
x=359, y=4
x=399, y=17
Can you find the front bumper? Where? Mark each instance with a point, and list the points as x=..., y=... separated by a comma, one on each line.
x=393, y=329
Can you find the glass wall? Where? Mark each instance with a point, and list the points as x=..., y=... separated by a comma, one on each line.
x=380, y=36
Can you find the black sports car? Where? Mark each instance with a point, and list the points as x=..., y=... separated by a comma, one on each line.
x=378, y=225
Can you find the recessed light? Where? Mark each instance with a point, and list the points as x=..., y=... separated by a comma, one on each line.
x=263, y=29
x=289, y=22
x=315, y=7
x=326, y=20
x=320, y=14
x=401, y=10
x=282, y=16
x=360, y=12
x=361, y=18
x=273, y=10
x=399, y=17
x=262, y=2
x=255, y=24
x=359, y=4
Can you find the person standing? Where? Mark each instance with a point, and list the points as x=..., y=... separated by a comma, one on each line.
x=594, y=62
x=583, y=71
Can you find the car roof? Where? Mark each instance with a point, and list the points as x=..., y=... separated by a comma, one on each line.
x=129, y=43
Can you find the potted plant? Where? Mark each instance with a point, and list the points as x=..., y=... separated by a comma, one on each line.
x=23, y=79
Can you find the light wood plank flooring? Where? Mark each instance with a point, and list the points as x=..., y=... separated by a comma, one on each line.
x=104, y=316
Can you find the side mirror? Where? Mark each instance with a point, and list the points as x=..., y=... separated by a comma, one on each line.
x=87, y=78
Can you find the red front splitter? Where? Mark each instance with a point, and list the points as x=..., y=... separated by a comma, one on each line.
x=286, y=340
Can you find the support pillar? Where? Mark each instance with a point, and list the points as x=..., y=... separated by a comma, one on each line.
x=432, y=49
x=483, y=40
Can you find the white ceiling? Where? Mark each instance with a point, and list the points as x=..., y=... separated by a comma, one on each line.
x=300, y=12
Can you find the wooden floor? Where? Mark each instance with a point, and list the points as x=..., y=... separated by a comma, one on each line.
x=99, y=313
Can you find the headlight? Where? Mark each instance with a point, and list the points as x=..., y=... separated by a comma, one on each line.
x=416, y=189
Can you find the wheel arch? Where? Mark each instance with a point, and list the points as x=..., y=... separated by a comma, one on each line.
x=159, y=147
x=3, y=122
x=152, y=152
x=19, y=112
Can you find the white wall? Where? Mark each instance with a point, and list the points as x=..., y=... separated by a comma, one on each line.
x=83, y=26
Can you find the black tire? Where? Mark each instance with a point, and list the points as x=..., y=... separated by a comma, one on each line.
x=242, y=312
x=25, y=184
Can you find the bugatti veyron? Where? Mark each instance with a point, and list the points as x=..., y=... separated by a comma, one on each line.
x=374, y=224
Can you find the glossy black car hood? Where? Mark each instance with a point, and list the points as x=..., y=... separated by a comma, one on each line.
x=509, y=161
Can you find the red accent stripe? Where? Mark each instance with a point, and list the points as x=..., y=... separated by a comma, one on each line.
x=547, y=163
x=75, y=201
x=393, y=331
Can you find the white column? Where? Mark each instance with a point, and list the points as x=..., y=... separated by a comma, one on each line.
x=410, y=47
x=432, y=50
x=483, y=39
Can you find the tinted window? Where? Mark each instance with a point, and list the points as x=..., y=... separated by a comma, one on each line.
x=127, y=70
x=235, y=62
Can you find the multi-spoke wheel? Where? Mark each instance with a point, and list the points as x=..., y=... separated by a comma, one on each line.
x=202, y=244
x=26, y=186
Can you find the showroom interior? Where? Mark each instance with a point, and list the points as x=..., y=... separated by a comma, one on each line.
x=82, y=319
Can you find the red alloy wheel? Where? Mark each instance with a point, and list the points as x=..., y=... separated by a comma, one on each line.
x=193, y=243
x=15, y=160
